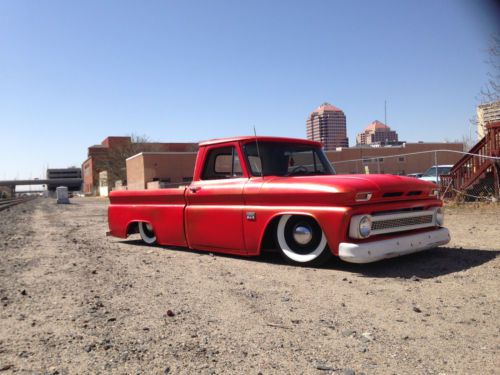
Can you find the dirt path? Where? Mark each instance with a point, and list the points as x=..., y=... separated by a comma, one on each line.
x=75, y=302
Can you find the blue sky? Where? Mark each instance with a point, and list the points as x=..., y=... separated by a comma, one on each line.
x=72, y=73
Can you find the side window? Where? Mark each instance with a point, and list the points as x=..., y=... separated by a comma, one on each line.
x=222, y=163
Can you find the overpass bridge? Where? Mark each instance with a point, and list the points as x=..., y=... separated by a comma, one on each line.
x=52, y=183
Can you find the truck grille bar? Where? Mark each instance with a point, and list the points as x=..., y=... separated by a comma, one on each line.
x=404, y=222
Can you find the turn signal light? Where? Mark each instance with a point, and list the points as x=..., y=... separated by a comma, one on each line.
x=363, y=197
x=434, y=193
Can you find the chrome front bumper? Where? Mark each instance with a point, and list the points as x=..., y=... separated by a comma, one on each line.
x=377, y=250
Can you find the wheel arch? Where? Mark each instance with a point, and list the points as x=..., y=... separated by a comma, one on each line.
x=133, y=226
x=267, y=239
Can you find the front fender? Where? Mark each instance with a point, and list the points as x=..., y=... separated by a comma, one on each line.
x=332, y=221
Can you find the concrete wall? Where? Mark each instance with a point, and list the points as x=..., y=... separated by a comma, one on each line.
x=170, y=167
x=382, y=158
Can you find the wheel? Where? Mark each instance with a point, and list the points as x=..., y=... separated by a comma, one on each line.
x=147, y=233
x=302, y=241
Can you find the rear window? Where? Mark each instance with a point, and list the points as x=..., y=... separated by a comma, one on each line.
x=222, y=163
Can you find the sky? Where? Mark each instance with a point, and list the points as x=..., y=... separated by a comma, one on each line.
x=74, y=72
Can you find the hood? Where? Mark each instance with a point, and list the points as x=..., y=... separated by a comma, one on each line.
x=384, y=187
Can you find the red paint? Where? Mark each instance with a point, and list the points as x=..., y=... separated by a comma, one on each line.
x=211, y=214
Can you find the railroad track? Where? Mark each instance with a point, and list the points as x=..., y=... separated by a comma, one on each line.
x=6, y=203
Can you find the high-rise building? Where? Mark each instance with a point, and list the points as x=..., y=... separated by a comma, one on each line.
x=377, y=133
x=327, y=124
x=486, y=113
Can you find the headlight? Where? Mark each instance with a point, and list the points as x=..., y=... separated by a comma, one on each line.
x=365, y=226
x=440, y=216
x=434, y=193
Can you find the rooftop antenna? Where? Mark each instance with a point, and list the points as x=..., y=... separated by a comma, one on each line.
x=258, y=152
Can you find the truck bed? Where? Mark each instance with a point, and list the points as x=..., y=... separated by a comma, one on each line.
x=162, y=208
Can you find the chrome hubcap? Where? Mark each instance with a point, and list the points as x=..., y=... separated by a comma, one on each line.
x=302, y=234
x=149, y=227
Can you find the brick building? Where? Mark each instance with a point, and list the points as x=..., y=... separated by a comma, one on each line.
x=377, y=133
x=486, y=114
x=113, y=151
x=327, y=124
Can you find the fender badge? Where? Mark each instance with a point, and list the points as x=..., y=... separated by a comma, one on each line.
x=251, y=216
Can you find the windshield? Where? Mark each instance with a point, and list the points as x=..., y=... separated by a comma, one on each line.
x=286, y=159
x=440, y=170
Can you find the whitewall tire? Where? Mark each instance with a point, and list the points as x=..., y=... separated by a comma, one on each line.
x=301, y=240
x=147, y=233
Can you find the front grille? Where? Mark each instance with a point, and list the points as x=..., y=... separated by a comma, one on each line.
x=402, y=222
x=388, y=222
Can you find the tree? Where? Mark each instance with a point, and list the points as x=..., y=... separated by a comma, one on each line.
x=115, y=160
x=491, y=91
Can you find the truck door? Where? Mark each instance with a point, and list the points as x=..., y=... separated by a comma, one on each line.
x=214, y=212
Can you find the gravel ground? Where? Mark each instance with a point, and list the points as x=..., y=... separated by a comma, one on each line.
x=73, y=301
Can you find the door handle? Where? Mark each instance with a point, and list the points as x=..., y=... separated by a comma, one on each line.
x=194, y=189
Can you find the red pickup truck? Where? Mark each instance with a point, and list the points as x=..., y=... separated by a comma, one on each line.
x=254, y=193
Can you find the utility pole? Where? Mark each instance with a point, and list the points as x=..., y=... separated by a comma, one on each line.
x=385, y=112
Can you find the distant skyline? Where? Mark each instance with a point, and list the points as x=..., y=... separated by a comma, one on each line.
x=73, y=73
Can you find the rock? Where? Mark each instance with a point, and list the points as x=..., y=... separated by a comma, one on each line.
x=5, y=367
x=348, y=333
x=112, y=320
x=23, y=292
x=170, y=313
x=324, y=367
x=348, y=371
x=366, y=337
x=416, y=309
x=89, y=348
x=414, y=278
x=167, y=370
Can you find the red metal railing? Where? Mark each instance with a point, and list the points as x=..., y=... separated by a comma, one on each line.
x=470, y=168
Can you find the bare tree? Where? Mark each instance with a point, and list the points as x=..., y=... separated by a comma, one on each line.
x=491, y=91
x=115, y=161
x=468, y=141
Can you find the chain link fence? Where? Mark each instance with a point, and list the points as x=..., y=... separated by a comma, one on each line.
x=460, y=175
